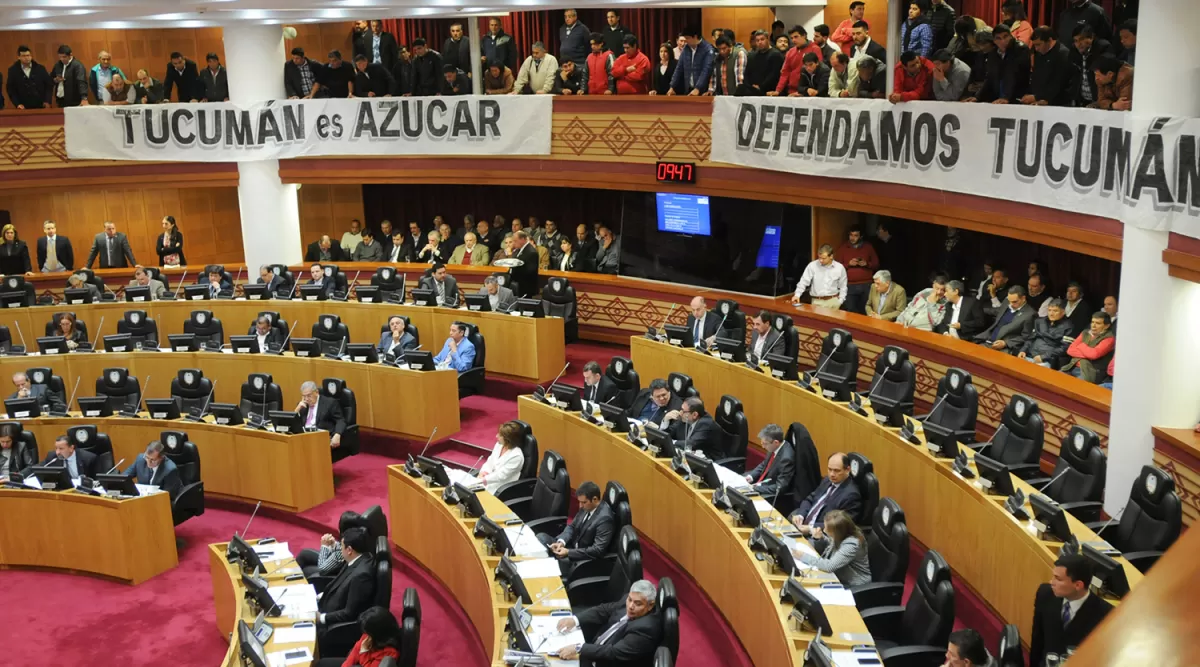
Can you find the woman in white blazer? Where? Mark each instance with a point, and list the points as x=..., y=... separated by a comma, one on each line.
x=505, y=463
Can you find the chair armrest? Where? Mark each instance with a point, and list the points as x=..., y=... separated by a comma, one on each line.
x=587, y=592
x=1024, y=470
x=884, y=622
x=518, y=489
x=979, y=447
x=1084, y=510
x=874, y=595
x=1143, y=560
x=521, y=506
x=599, y=567
x=1106, y=530
x=734, y=463
x=320, y=582
x=913, y=656
x=1038, y=483
x=964, y=435
x=551, y=525
x=339, y=639
x=472, y=375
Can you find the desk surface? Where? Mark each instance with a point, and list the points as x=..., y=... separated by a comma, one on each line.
x=127, y=540
x=989, y=550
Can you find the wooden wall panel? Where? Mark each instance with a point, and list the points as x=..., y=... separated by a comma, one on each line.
x=742, y=20
x=318, y=39
x=328, y=209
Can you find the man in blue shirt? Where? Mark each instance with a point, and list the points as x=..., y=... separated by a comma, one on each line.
x=695, y=66
x=458, y=352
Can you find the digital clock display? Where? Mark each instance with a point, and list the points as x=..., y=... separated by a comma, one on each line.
x=676, y=172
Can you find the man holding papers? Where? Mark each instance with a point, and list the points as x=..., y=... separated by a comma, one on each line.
x=623, y=633
x=588, y=536
x=352, y=591
x=153, y=468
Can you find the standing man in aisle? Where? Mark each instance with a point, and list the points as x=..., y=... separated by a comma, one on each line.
x=573, y=39
x=524, y=276
x=825, y=280
x=113, y=249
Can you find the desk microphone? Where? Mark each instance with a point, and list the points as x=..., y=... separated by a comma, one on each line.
x=428, y=442
x=513, y=543
x=556, y=379
x=73, y=390
x=98, y=330
x=115, y=467
x=821, y=366
x=779, y=488
x=1054, y=479
x=875, y=384
x=182, y=280
x=295, y=284
x=764, y=354
x=353, y=284
x=252, y=515
x=283, y=345
x=19, y=333
x=473, y=470
x=992, y=439
x=668, y=315
x=207, y=400
x=720, y=326
x=137, y=407
x=233, y=287
x=935, y=407
x=1112, y=519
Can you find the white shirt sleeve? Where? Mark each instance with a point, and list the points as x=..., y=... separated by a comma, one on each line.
x=490, y=464
x=805, y=280
x=507, y=469
x=841, y=280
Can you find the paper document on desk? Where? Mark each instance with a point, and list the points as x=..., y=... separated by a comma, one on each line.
x=32, y=482
x=526, y=544
x=146, y=489
x=539, y=568
x=850, y=658
x=462, y=477
x=837, y=597
x=290, y=635
x=556, y=603
x=730, y=478
x=273, y=551
x=296, y=598
x=800, y=543
x=545, y=637
x=761, y=505
x=290, y=657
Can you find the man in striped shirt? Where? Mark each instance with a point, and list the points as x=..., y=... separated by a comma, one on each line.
x=329, y=560
x=729, y=69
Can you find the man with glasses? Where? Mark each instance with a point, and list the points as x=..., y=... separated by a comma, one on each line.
x=153, y=468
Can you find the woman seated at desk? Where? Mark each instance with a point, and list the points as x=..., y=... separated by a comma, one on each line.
x=396, y=337
x=381, y=639
x=68, y=330
x=506, y=461
x=846, y=555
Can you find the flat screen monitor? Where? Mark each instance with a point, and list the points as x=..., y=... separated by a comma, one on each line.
x=118, y=342
x=731, y=349
x=256, y=291
x=312, y=292
x=12, y=299
x=679, y=336
x=126, y=485
x=566, y=396
x=887, y=411
x=519, y=638
x=77, y=295
x=251, y=650
x=240, y=551
x=184, y=342
x=424, y=297
x=95, y=406
x=244, y=344
x=702, y=470
x=487, y=529
x=529, y=308
x=23, y=408
x=660, y=440
x=256, y=590
x=774, y=549
x=467, y=500
x=286, y=421
x=818, y=654
x=1049, y=518
x=479, y=303
x=53, y=477
x=940, y=440
x=226, y=414
x=614, y=418
x=768, y=250
x=162, y=408
x=137, y=294
x=197, y=292
x=509, y=579
x=363, y=353
x=742, y=507
x=52, y=344
x=1107, y=574
x=307, y=347
x=420, y=360
x=994, y=476
x=782, y=367
x=683, y=214
x=434, y=470
x=807, y=609
x=368, y=294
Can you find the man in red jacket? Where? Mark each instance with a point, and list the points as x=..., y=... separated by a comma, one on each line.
x=914, y=79
x=793, y=64
x=631, y=70
x=861, y=263
x=600, y=68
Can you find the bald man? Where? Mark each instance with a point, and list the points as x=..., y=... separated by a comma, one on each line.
x=702, y=323
x=324, y=250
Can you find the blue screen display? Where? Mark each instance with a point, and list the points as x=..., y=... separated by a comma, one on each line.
x=683, y=214
x=768, y=252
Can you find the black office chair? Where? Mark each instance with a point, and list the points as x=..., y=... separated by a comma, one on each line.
x=389, y=281
x=54, y=383
x=90, y=277
x=791, y=336
x=334, y=335
x=862, y=473
x=140, y=327
x=1009, y=653
x=410, y=630
x=1077, y=482
x=88, y=438
x=409, y=327
x=617, y=499
x=504, y=278
x=810, y=468
x=529, y=447
x=837, y=365
x=337, y=390
x=1151, y=521
x=668, y=609
x=191, y=389
x=202, y=277
x=207, y=329
x=730, y=417
x=1018, y=441
x=545, y=509
x=472, y=380
x=334, y=272
x=260, y=395
x=376, y=522
x=287, y=282
x=123, y=390
x=917, y=633
x=5, y=340
x=730, y=313
x=681, y=385
x=893, y=386
x=619, y=574
x=887, y=553
x=662, y=657
x=558, y=300
x=621, y=373
x=189, y=502
x=276, y=321
x=956, y=405
x=52, y=326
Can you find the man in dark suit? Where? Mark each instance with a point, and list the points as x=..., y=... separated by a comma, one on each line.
x=302, y=76
x=596, y=387
x=381, y=47
x=525, y=276
x=318, y=277
x=182, y=72
x=70, y=80
x=443, y=285
x=113, y=249
x=14, y=455
x=702, y=323
x=586, y=246
x=764, y=339
x=625, y=633
x=654, y=403
x=396, y=336
x=217, y=283
x=1078, y=312
x=588, y=536
x=47, y=399
x=1063, y=610
x=964, y=316
x=29, y=91
x=835, y=492
x=266, y=334
x=775, y=473
x=352, y=591
x=78, y=461
x=64, y=256
x=153, y=468
x=864, y=45
x=1012, y=326
x=372, y=79
x=321, y=412
x=267, y=277
x=324, y=250
x=695, y=430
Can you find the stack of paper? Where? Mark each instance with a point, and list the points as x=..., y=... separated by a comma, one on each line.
x=761, y=505
x=837, y=597
x=544, y=636
x=524, y=542
x=146, y=489
x=850, y=658
x=539, y=568
x=463, y=477
x=297, y=656
x=273, y=551
x=801, y=544
x=730, y=478
x=296, y=634
x=295, y=598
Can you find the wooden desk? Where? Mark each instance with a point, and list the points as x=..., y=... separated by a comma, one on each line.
x=683, y=522
x=404, y=402
x=290, y=472
x=231, y=606
x=988, y=549
x=127, y=540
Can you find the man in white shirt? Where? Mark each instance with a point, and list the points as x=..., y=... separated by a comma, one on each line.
x=352, y=238
x=825, y=280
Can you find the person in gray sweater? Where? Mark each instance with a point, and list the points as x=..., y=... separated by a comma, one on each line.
x=846, y=555
x=368, y=250
x=950, y=77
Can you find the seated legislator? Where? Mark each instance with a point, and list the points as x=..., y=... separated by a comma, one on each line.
x=887, y=300
x=153, y=468
x=764, y=339
x=1012, y=326
x=328, y=560
x=621, y=633
x=1047, y=344
x=267, y=277
x=507, y=459
x=353, y=589
x=1092, y=350
x=317, y=277
x=78, y=461
x=266, y=334
x=596, y=387
x=775, y=473
x=47, y=399
x=471, y=252
x=321, y=412
x=380, y=640
x=702, y=323
x=68, y=330
x=325, y=250
x=141, y=278
x=965, y=649
x=443, y=285
x=964, y=316
x=654, y=403
x=588, y=535
x=1064, y=612
x=695, y=430
x=217, y=283
x=845, y=553
x=458, y=352
x=396, y=337
x=927, y=308
x=399, y=251
x=835, y=492
x=500, y=297
x=14, y=455
x=79, y=281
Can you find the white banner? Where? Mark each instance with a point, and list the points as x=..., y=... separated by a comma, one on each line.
x=225, y=132
x=1142, y=171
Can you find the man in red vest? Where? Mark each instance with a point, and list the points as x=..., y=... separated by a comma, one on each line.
x=600, y=68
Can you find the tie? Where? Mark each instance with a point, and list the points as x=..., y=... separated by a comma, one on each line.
x=816, y=509
x=215, y=290
x=51, y=254
x=1066, y=615
x=312, y=416
x=153, y=472
x=112, y=259
x=613, y=630
x=71, y=467
x=696, y=337
x=766, y=468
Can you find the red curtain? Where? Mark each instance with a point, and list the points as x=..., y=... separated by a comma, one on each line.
x=1041, y=12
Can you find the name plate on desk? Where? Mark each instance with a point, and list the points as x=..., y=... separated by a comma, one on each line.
x=310, y=297
x=14, y=304
x=254, y=297
x=527, y=313
x=282, y=428
x=778, y=375
x=473, y=307
x=725, y=356
x=242, y=350
x=302, y=353
x=1038, y=526
x=91, y=413
x=21, y=414
x=197, y=297
x=359, y=358
x=829, y=393
x=881, y=418
x=223, y=421
x=76, y=302
x=139, y=298
x=158, y=415
x=985, y=484
x=677, y=342
x=51, y=350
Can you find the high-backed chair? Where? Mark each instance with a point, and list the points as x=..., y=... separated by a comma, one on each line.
x=558, y=300
x=123, y=390
x=189, y=502
x=52, y=326
x=917, y=632
x=680, y=384
x=504, y=278
x=1151, y=521
x=89, y=438
x=887, y=553
x=276, y=321
x=287, y=279
x=1009, y=653
x=260, y=394
x=336, y=389
x=191, y=389
x=471, y=381
x=140, y=327
x=837, y=365
x=226, y=276
x=376, y=522
x=624, y=568
x=90, y=277
x=617, y=499
x=956, y=405
x=389, y=281
x=810, y=468
x=207, y=329
x=791, y=336
x=54, y=383
x=546, y=507
x=1018, y=441
x=17, y=284
x=893, y=386
x=621, y=373
x=409, y=327
x=410, y=629
x=862, y=473
x=1077, y=482
x=5, y=339
x=334, y=335
x=729, y=312
x=668, y=609
x=730, y=416
x=334, y=272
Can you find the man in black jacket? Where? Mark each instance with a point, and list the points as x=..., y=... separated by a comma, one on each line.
x=1087, y=52
x=524, y=276
x=1051, y=335
x=79, y=462
x=1064, y=613
x=588, y=536
x=701, y=322
x=182, y=72
x=300, y=76
x=372, y=79
x=457, y=50
x=321, y=412
x=1055, y=80
x=814, y=77
x=1086, y=11
x=29, y=84
x=454, y=82
x=214, y=81
x=614, y=33
x=324, y=250
x=941, y=20
x=763, y=65
x=352, y=591
x=402, y=74
x=620, y=634
x=836, y=492
x=1006, y=69
x=381, y=47
x=70, y=80
x=596, y=387
x=573, y=39
x=427, y=69
x=964, y=317
x=695, y=430
x=497, y=46
x=654, y=403
x=776, y=472
x=337, y=77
